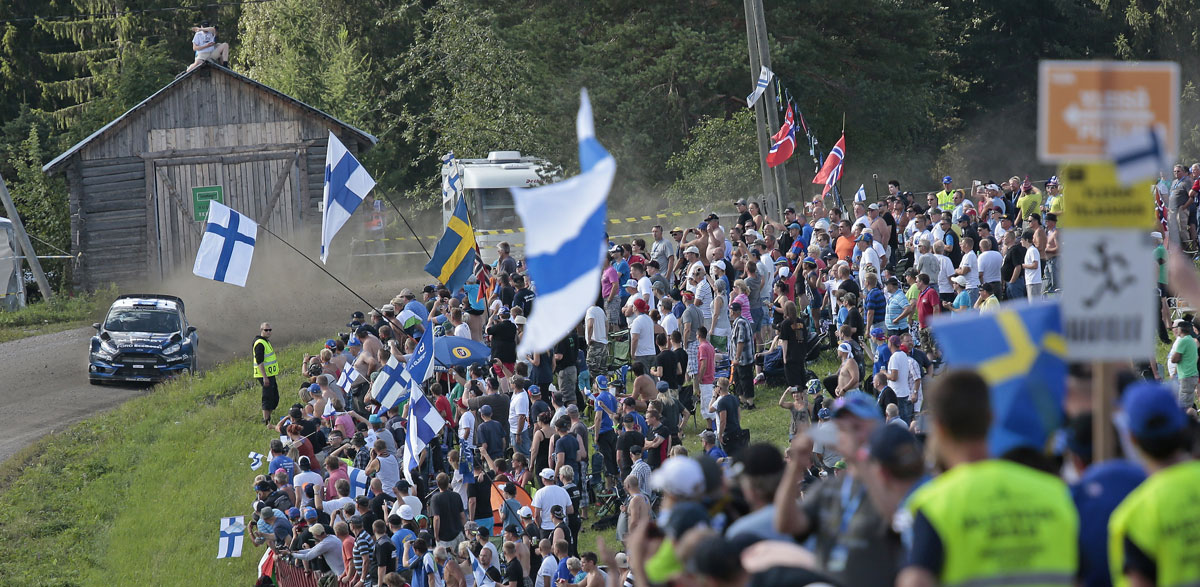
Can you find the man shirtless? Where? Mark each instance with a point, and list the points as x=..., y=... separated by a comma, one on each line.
x=848, y=376
x=644, y=389
x=594, y=577
x=716, y=236
x=204, y=43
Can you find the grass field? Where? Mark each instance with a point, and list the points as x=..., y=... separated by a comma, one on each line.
x=62, y=313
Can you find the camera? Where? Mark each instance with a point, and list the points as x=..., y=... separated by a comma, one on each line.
x=314, y=370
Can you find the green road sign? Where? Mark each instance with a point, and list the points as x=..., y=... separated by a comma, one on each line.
x=201, y=196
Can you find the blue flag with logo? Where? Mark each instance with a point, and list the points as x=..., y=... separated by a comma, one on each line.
x=1021, y=353
x=454, y=256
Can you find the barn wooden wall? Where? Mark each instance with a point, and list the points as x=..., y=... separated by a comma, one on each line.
x=210, y=128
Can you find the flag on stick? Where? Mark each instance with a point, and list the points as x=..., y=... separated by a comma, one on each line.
x=764, y=79
x=347, y=184
x=227, y=247
x=831, y=171
x=232, y=533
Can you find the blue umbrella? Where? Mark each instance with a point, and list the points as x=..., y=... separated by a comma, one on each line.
x=452, y=351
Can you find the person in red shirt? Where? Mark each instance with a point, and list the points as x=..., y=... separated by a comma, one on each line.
x=928, y=304
x=706, y=360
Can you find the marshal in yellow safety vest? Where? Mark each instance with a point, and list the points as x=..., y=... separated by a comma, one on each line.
x=1160, y=519
x=270, y=364
x=1001, y=523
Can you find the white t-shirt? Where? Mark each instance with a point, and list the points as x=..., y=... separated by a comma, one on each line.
x=599, y=324
x=466, y=422
x=519, y=407
x=389, y=472
x=408, y=500
x=646, y=290
x=202, y=38
x=947, y=271
x=548, y=568
x=643, y=327
x=307, y=477
x=899, y=364
x=970, y=262
x=1033, y=276
x=462, y=330
x=869, y=258
x=669, y=323
x=330, y=506
x=548, y=497
x=989, y=265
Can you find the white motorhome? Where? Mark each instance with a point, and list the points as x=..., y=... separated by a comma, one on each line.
x=485, y=184
x=12, y=286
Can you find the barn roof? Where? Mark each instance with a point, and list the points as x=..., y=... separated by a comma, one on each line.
x=53, y=165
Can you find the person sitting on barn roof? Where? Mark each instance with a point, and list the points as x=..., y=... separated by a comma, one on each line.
x=204, y=43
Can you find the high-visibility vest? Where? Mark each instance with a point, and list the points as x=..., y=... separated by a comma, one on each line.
x=270, y=364
x=1001, y=523
x=945, y=198
x=1161, y=519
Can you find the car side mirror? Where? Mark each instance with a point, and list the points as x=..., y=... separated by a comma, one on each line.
x=96, y=325
x=190, y=329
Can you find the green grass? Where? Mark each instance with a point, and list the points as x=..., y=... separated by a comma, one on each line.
x=135, y=496
x=64, y=312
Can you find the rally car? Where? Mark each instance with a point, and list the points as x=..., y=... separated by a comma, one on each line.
x=144, y=338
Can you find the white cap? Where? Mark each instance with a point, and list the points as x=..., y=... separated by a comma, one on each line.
x=519, y=320
x=959, y=279
x=680, y=476
x=1157, y=235
x=719, y=264
x=691, y=249
x=525, y=512
x=785, y=271
x=547, y=473
x=821, y=224
x=631, y=283
x=406, y=512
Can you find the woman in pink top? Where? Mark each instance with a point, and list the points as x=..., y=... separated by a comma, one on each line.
x=742, y=297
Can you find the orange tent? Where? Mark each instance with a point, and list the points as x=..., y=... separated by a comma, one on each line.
x=498, y=503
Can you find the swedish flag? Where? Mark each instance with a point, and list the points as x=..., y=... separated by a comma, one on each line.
x=1020, y=351
x=454, y=256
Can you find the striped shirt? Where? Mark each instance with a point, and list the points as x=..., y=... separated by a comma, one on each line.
x=642, y=471
x=363, y=547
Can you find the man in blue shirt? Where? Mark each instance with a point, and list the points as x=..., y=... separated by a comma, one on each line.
x=606, y=436
x=895, y=320
x=280, y=460
x=413, y=305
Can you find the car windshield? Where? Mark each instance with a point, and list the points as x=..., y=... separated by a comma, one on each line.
x=138, y=320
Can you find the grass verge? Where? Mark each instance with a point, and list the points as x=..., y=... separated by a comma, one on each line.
x=62, y=313
x=135, y=496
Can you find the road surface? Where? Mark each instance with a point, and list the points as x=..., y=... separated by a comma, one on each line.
x=45, y=387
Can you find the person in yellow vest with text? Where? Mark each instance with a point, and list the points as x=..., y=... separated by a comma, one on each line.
x=1154, y=534
x=985, y=521
x=945, y=197
x=266, y=367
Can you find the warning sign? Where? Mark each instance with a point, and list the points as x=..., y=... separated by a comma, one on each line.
x=1094, y=198
x=1082, y=104
x=1108, y=292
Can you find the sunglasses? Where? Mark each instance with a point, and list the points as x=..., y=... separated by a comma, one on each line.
x=266, y=330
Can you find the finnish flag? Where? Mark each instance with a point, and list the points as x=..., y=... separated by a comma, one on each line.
x=764, y=80
x=233, y=532
x=390, y=387
x=1139, y=155
x=227, y=246
x=256, y=460
x=861, y=194
x=565, y=240
x=347, y=183
x=480, y=572
x=451, y=179
x=424, y=424
x=358, y=482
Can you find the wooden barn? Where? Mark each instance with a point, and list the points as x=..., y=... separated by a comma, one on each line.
x=139, y=186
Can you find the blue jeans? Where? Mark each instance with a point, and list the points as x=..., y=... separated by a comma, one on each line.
x=906, y=408
x=521, y=442
x=1016, y=290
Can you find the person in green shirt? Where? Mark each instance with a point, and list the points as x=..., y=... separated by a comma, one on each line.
x=1164, y=310
x=1183, y=355
x=1030, y=200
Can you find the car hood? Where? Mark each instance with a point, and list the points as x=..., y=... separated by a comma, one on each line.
x=139, y=340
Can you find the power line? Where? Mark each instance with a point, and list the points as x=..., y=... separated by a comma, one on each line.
x=120, y=13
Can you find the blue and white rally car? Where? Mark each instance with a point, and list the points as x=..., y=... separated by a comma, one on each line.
x=144, y=338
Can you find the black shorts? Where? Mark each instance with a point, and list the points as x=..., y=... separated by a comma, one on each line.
x=270, y=394
x=472, y=311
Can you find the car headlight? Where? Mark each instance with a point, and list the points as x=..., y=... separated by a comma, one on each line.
x=173, y=349
x=107, y=349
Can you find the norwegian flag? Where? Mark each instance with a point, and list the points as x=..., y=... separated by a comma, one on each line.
x=483, y=274
x=831, y=172
x=784, y=141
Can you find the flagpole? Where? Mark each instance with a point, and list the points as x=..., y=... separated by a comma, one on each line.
x=410, y=228
x=875, y=178
x=317, y=265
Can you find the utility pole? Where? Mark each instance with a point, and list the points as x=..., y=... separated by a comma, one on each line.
x=760, y=51
x=26, y=246
x=764, y=145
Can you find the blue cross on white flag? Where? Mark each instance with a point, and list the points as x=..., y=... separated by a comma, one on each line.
x=348, y=378
x=1140, y=155
x=233, y=532
x=424, y=424
x=227, y=246
x=764, y=80
x=477, y=569
x=358, y=482
x=390, y=387
x=861, y=194
x=564, y=238
x=347, y=183
x=256, y=460
x=451, y=179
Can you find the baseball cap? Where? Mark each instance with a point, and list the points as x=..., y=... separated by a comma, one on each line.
x=535, y=390
x=676, y=229
x=1052, y=181
x=877, y=333
x=547, y=473
x=631, y=283
x=504, y=310
x=330, y=344
x=640, y=305
x=795, y=225
x=310, y=513
x=406, y=293
x=873, y=206
x=406, y=512
x=807, y=260
x=894, y=339
x=856, y=403
x=1157, y=235
x=711, y=217
x=388, y=308
x=428, y=289
x=486, y=410
x=293, y=513
x=679, y=476
x=602, y=381
x=719, y=264
x=992, y=187
x=353, y=341
x=864, y=237
x=960, y=279
x=622, y=560
x=557, y=511
x=821, y=224
x=824, y=414
x=662, y=386
x=358, y=315
x=692, y=249
x=1178, y=322
x=375, y=419
x=739, y=202
x=520, y=320
x=736, y=306
x=356, y=519
x=947, y=179
x=525, y=512
x=781, y=261
x=1152, y=410
x=892, y=281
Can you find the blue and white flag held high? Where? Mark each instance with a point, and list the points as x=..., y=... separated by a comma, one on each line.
x=480, y=572
x=764, y=80
x=390, y=387
x=1140, y=155
x=347, y=183
x=397, y=383
x=233, y=532
x=451, y=179
x=564, y=238
x=227, y=247
x=358, y=482
x=348, y=378
x=424, y=424
x=256, y=460
x=861, y=194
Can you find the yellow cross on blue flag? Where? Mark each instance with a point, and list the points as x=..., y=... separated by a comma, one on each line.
x=454, y=255
x=1021, y=353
